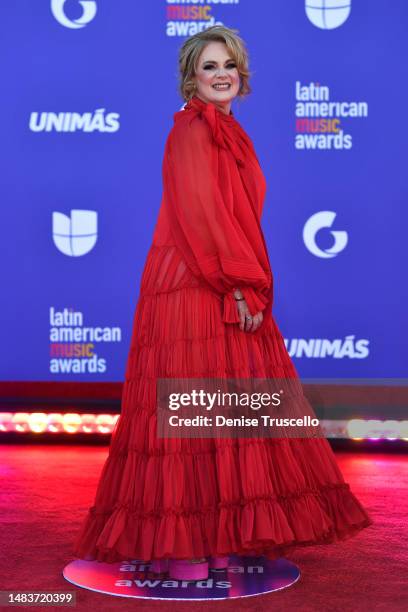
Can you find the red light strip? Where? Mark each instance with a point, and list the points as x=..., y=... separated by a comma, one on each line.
x=75, y=423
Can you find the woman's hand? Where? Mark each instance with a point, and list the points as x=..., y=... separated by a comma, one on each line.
x=247, y=322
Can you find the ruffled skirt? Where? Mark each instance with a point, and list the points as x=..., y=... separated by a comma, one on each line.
x=189, y=498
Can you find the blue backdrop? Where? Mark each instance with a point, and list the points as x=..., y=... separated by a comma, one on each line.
x=89, y=90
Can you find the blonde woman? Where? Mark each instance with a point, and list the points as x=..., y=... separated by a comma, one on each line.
x=204, y=310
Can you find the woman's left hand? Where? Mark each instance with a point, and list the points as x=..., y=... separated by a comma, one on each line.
x=247, y=321
x=256, y=321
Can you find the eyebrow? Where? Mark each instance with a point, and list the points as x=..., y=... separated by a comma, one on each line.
x=231, y=59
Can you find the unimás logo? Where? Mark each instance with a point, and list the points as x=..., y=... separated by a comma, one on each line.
x=349, y=347
x=319, y=221
x=98, y=121
x=88, y=13
x=328, y=14
x=75, y=235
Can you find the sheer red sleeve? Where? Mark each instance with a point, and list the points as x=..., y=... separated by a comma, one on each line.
x=218, y=236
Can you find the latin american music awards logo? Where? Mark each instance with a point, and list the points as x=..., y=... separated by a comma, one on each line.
x=88, y=13
x=244, y=577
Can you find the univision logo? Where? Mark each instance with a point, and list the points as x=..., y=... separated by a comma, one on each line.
x=75, y=235
x=328, y=14
x=322, y=220
x=88, y=13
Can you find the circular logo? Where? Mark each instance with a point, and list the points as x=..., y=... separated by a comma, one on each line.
x=88, y=13
x=244, y=577
x=319, y=221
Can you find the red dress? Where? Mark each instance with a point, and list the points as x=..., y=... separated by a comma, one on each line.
x=189, y=498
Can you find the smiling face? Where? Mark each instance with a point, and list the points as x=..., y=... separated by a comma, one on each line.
x=217, y=78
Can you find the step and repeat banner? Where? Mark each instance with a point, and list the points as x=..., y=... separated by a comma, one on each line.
x=89, y=89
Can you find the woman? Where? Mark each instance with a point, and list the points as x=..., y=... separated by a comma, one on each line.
x=204, y=310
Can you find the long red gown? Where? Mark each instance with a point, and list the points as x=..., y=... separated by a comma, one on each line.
x=188, y=498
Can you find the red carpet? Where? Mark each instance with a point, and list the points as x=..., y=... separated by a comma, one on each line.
x=46, y=490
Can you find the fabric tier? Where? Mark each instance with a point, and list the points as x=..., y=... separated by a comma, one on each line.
x=187, y=498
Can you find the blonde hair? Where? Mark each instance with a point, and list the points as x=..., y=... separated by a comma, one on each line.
x=191, y=49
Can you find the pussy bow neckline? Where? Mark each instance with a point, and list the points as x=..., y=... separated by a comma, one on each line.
x=225, y=129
